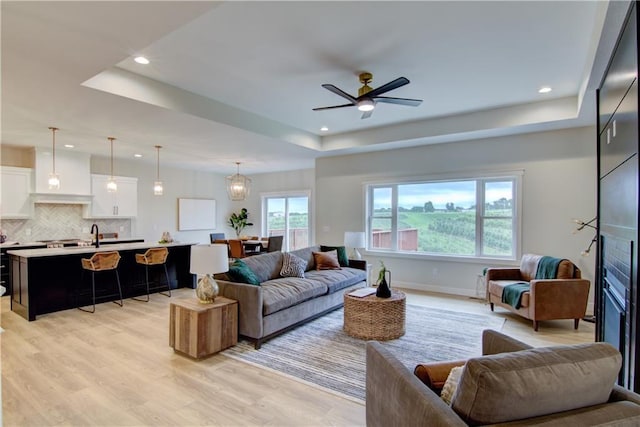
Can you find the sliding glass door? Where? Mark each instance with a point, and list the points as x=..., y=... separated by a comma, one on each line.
x=288, y=215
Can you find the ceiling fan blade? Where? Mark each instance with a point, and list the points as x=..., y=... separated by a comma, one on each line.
x=338, y=91
x=399, y=101
x=366, y=114
x=394, y=84
x=333, y=106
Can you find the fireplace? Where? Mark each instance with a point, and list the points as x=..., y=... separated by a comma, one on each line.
x=616, y=281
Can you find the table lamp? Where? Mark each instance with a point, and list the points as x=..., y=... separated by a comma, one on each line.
x=355, y=240
x=207, y=260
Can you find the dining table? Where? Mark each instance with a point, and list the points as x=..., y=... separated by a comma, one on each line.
x=254, y=246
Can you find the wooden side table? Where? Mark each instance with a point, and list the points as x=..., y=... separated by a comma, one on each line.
x=200, y=330
x=373, y=318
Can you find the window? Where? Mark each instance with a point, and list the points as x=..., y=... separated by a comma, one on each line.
x=472, y=217
x=287, y=215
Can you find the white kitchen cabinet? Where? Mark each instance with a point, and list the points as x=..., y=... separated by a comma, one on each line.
x=73, y=169
x=122, y=203
x=16, y=193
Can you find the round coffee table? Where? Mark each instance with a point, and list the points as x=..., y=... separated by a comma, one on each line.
x=373, y=318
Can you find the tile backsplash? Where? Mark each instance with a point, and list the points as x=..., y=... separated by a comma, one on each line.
x=60, y=221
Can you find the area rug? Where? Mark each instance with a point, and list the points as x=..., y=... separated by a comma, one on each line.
x=321, y=354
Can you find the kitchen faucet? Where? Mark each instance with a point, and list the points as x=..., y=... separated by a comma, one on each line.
x=97, y=235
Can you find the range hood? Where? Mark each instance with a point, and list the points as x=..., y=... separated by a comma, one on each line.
x=61, y=199
x=75, y=178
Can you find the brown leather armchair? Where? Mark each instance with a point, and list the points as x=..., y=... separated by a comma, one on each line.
x=564, y=297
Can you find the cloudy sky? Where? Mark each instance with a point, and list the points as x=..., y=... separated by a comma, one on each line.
x=460, y=193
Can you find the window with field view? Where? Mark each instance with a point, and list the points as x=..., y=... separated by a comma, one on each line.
x=288, y=216
x=467, y=217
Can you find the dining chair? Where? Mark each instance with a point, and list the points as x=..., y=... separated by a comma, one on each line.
x=236, y=249
x=275, y=243
x=216, y=236
x=264, y=244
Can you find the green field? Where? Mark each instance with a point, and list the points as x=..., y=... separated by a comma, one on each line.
x=296, y=220
x=441, y=232
x=454, y=232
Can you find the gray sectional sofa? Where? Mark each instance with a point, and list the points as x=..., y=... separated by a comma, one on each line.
x=279, y=303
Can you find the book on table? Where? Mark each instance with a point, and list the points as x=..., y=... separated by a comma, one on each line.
x=363, y=292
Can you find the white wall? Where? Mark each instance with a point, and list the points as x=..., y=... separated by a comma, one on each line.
x=559, y=184
x=159, y=213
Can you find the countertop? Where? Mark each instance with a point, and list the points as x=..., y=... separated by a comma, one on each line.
x=12, y=244
x=18, y=245
x=46, y=252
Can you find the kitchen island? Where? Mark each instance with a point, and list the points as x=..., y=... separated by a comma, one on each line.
x=5, y=265
x=45, y=280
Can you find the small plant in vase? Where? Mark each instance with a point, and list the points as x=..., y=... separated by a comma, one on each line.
x=239, y=221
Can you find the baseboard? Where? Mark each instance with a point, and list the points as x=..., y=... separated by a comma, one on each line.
x=439, y=289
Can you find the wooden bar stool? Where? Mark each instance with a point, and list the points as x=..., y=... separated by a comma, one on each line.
x=154, y=257
x=101, y=261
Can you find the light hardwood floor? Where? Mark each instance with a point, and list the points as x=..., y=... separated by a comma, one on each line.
x=115, y=367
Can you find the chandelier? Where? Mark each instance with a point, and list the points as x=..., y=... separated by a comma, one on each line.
x=238, y=186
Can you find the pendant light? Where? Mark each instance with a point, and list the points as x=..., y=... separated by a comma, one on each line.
x=54, y=179
x=238, y=185
x=157, y=186
x=112, y=187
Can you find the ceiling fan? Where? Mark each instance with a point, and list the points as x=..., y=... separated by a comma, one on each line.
x=368, y=97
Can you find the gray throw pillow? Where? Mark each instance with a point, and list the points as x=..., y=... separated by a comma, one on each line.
x=292, y=266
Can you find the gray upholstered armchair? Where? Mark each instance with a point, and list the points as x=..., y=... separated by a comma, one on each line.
x=557, y=292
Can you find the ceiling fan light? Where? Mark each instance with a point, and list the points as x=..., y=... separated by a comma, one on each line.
x=366, y=104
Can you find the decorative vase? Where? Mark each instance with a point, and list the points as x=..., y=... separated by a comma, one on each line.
x=207, y=290
x=384, y=290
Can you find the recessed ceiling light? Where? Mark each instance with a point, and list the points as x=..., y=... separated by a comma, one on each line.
x=69, y=146
x=137, y=155
x=141, y=60
x=324, y=128
x=545, y=89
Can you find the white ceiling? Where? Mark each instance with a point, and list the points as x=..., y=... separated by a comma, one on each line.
x=237, y=81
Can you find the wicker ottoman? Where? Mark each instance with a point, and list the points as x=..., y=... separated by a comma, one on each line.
x=373, y=318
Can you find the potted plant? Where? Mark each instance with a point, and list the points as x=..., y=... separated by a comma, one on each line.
x=238, y=221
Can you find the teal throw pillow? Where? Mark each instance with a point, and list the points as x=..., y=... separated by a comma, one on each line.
x=343, y=260
x=240, y=272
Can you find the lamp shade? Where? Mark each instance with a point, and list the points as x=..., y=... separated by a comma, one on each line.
x=354, y=239
x=209, y=259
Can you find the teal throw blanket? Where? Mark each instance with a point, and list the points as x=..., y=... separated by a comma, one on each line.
x=548, y=267
x=512, y=294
